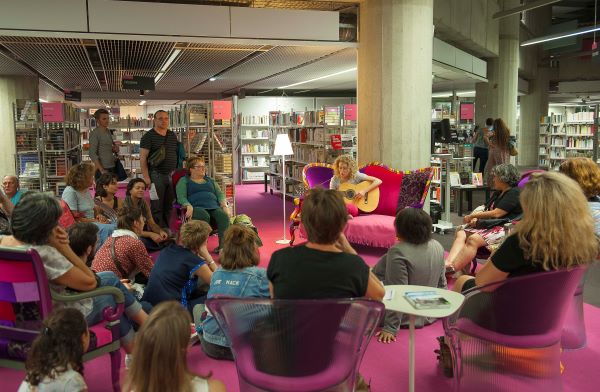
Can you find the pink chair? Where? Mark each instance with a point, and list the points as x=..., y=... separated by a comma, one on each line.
x=507, y=335
x=297, y=345
x=26, y=299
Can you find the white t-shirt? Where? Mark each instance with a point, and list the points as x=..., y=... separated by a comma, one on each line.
x=68, y=381
x=198, y=384
x=79, y=201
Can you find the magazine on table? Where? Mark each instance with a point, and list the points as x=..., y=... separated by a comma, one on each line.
x=426, y=300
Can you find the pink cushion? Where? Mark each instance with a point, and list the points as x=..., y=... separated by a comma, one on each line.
x=103, y=335
x=389, y=190
x=372, y=230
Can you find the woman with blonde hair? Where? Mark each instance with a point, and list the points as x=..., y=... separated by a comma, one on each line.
x=160, y=355
x=587, y=174
x=498, y=149
x=202, y=197
x=556, y=232
x=346, y=171
x=238, y=276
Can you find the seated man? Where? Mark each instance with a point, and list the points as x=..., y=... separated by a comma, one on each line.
x=10, y=184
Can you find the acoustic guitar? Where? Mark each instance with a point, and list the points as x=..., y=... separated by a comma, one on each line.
x=366, y=204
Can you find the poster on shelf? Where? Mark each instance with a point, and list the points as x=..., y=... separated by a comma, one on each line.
x=467, y=111
x=52, y=112
x=336, y=142
x=477, y=179
x=222, y=110
x=350, y=112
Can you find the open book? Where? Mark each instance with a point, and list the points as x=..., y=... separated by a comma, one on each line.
x=426, y=300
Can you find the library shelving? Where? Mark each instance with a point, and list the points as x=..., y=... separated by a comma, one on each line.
x=562, y=137
x=254, y=147
x=47, y=144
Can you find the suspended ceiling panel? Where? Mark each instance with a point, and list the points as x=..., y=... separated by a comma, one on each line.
x=64, y=61
x=9, y=66
x=198, y=62
x=340, y=61
x=276, y=60
x=139, y=58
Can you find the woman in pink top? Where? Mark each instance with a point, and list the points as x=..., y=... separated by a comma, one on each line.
x=130, y=255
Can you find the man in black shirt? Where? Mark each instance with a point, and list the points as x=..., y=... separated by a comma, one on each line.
x=159, y=174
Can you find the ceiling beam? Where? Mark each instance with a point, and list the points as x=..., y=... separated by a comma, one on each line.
x=525, y=7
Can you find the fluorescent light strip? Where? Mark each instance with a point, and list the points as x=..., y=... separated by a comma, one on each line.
x=142, y=103
x=465, y=93
x=554, y=37
x=441, y=95
x=315, y=79
x=42, y=100
x=166, y=65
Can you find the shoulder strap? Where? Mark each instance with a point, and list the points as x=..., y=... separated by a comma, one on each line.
x=113, y=255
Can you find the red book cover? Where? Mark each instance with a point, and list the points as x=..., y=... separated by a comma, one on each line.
x=336, y=142
x=303, y=135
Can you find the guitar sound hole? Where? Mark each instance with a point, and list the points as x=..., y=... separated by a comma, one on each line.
x=350, y=194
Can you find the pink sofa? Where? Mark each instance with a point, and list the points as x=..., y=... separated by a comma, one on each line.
x=397, y=191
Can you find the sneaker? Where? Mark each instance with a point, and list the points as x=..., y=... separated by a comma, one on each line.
x=128, y=361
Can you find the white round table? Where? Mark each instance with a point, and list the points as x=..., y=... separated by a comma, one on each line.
x=399, y=304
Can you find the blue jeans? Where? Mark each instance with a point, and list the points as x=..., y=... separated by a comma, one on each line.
x=105, y=230
x=132, y=306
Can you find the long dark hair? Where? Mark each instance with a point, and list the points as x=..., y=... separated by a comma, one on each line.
x=501, y=134
x=57, y=347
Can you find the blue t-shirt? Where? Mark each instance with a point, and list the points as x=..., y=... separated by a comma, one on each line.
x=170, y=275
x=15, y=199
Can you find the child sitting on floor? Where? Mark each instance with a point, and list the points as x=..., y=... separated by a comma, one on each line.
x=416, y=259
x=55, y=362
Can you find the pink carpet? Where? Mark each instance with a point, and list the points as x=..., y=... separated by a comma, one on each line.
x=386, y=366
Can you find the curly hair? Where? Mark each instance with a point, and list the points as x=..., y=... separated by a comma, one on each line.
x=507, y=173
x=80, y=176
x=585, y=172
x=57, y=347
x=347, y=159
x=557, y=229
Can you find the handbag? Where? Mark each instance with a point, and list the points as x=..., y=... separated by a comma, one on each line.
x=158, y=156
x=120, y=170
x=489, y=223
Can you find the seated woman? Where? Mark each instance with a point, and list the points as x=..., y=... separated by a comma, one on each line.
x=326, y=266
x=35, y=223
x=106, y=202
x=202, y=197
x=161, y=350
x=182, y=269
x=77, y=196
x=152, y=235
x=504, y=203
x=345, y=170
x=587, y=174
x=238, y=276
x=123, y=253
x=416, y=259
x=556, y=232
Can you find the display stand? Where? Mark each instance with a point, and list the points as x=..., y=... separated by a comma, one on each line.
x=445, y=224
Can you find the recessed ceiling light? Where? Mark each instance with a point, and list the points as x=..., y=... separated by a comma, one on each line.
x=212, y=79
x=142, y=103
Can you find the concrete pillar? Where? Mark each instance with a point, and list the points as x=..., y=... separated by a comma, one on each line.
x=500, y=99
x=11, y=89
x=394, y=82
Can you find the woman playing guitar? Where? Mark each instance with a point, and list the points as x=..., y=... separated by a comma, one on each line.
x=346, y=171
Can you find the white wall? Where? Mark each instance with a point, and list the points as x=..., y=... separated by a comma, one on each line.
x=263, y=105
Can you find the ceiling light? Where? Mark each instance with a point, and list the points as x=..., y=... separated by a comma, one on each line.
x=107, y=106
x=319, y=78
x=212, y=79
x=553, y=37
x=142, y=103
x=166, y=65
x=43, y=100
x=441, y=95
x=465, y=93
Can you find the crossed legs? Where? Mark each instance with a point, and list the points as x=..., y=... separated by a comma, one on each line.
x=464, y=249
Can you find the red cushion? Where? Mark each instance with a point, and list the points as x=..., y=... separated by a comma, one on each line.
x=389, y=190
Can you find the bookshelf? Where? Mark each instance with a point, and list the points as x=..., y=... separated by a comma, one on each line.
x=47, y=143
x=255, y=153
x=565, y=136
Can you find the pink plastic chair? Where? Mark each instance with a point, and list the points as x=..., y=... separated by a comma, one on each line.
x=297, y=345
x=508, y=339
x=26, y=299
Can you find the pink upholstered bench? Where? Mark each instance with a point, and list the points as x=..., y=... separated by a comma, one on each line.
x=397, y=191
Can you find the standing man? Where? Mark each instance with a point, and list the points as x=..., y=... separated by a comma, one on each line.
x=158, y=158
x=11, y=188
x=102, y=147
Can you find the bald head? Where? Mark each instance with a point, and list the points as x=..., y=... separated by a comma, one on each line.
x=10, y=184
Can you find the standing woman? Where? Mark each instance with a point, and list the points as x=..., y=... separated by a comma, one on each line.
x=152, y=235
x=480, y=145
x=345, y=170
x=499, y=149
x=202, y=197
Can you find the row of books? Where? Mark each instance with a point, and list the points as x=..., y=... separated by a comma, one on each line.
x=255, y=148
x=251, y=119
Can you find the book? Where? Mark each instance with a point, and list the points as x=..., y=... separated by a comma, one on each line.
x=426, y=300
x=477, y=179
x=454, y=179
